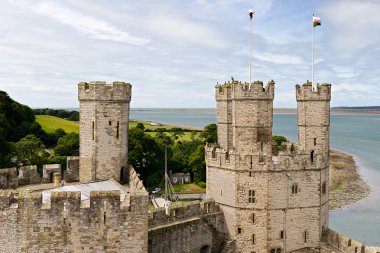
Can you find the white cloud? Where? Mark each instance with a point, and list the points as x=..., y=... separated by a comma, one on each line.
x=94, y=27
x=352, y=25
x=277, y=58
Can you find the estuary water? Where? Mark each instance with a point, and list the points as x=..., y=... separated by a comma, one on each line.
x=356, y=134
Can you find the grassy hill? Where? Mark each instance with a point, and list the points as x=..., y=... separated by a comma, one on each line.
x=51, y=123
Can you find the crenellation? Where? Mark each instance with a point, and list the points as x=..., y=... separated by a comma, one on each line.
x=305, y=92
x=101, y=91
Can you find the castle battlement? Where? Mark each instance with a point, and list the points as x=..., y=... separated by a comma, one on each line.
x=101, y=91
x=305, y=93
x=70, y=200
x=238, y=90
x=181, y=211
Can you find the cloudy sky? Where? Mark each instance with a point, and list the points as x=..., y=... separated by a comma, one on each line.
x=174, y=52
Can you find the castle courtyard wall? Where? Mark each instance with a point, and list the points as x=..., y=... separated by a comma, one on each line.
x=105, y=224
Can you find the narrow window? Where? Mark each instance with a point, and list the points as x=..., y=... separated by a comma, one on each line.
x=213, y=153
x=305, y=235
x=93, y=130
x=251, y=196
x=227, y=156
x=315, y=141
x=64, y=221
x=86, y=86
x=239, y=231
x=312, y=156
x=324, y=187
x=349, y=243
x=253, y=239
x=282, y=234
x=221, y=193
x=261, y=146
x=356, y=249
x=104, y=217
x=294, y=189
x=109, y=123
x=250, y=174
x=117, y=130
x=253, y=218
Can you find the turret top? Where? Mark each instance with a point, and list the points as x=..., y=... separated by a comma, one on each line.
x=98, y=90
x=238, y=90
x=306, y=93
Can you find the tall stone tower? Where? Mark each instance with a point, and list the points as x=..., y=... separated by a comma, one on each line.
x=104, y=118
x=237, y=166
x=271, y=202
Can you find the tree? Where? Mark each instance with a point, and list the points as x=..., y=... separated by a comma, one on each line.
x=176, y=132
x=198, y=164
x=30, y=151
x=67, y=145
x=74, y=116
x=210, y=134
x=140, y=126
x=146, y=156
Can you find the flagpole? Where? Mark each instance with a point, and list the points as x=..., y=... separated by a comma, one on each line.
x=250, y=52
x=312, y=57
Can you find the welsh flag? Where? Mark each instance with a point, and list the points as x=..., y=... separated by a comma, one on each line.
x=316, y=21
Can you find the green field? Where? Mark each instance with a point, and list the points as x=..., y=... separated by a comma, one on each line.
x=51, y=123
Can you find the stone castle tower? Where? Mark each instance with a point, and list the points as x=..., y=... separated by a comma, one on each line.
x=270, y=204
x=104, y=118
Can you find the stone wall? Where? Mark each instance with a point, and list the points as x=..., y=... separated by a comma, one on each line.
x=344, y=244
x=8, y=178
x=265, y=201
x=193, y=227
x=134, y=180
x=105, y=224
x=104, y=117
x=28, y=175
x=48, y=171
x=71, y=174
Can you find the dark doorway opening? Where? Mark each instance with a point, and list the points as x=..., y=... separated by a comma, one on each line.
x=51, y=177
x=122, y=177
x=205, y=249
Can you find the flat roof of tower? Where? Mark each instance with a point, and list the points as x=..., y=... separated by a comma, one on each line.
x=85, y=189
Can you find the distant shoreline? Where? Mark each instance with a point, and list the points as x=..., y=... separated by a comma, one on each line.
x=334, y=111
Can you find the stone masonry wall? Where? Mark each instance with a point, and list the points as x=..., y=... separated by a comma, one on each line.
x=104, y=113
x=71, y=174
x=194, y=227
x=8, y=178
x=344, y=244
x=28, y=175
x=66, y=225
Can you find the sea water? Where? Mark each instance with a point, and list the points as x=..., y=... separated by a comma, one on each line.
x=356, y=134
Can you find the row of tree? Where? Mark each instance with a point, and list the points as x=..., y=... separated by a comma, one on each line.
x=60, y=113
x=146, y=154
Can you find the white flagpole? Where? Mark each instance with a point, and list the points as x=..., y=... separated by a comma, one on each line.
x=250, y=50
x=312, y=57
x=250, y=54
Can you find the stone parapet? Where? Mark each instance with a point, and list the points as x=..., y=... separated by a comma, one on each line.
x=345, y=244
x=66, y=224
x=98, y=90
x=305, y=92
x=178, y=212
x=237, y=90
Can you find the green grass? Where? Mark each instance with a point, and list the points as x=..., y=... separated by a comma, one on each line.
x=147, y=125
x=188, y=188
x=51, y=123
